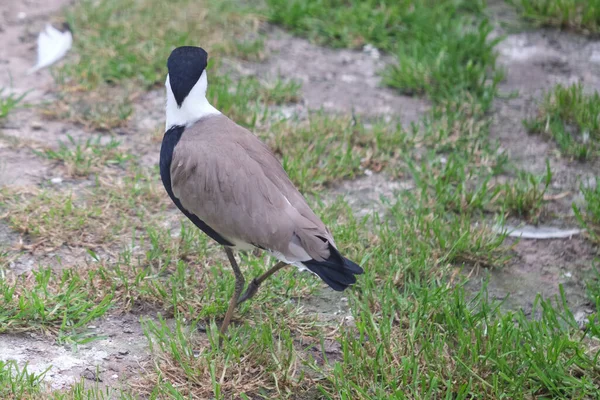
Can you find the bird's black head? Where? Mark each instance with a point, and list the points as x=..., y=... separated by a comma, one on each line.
x=185, y=65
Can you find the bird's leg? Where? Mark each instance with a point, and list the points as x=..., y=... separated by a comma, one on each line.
x=255, y=283
x=239, y=286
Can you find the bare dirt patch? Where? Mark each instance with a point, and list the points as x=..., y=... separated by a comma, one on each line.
x=335, y=80
x=20, y=23
x=535, y=62
x=539, y=267
x=21, y=167
x=110, y=361
x=367, y=194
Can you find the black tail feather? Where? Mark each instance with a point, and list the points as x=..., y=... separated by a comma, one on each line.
x=337, y=271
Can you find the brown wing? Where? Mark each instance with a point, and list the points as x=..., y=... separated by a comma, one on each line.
x=227, y=177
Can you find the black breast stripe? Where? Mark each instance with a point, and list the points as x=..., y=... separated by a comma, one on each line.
x=169, y=142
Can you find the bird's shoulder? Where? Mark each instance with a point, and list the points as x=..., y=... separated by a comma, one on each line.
x=217, y=140
x=222, y=141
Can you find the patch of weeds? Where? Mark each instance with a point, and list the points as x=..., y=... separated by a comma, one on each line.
x=442, y=345
x=452, y=163
x=578, y=15
x=244, y=100
x=249, y=49
x=91, y=218
x=253, y=361
x=589, y=218
x=317, y=152
x=451, y=184
x=449, y=57
x=56, y=219
x=103, y=108
x=448, y=61
x=353, y=24
x=18, y=383
x=58, y=304
x=9, y=102
x=570, y=117
x=436, y=241
x=81, y=158
x=524, y=197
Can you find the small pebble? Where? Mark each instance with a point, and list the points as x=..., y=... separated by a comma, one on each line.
x=21, y=15
x=123, y=352
x=56, y=180
x=372, y=51
x=36, y=125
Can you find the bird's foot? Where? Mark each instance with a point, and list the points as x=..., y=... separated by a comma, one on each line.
x=250, y=291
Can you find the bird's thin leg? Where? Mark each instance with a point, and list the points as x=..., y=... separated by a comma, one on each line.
x=255, y=283
x=239, y=286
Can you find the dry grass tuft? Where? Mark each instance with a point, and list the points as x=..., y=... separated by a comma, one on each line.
x=92, y=217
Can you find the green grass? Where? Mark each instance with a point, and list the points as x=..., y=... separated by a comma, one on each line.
x=578, y=15
x=446, y=346
x=17, y=382
x=570, y=117
x=45, y=302
x=415, y=331
x=115, y=61
x=122, y=40
x=589, y=216
x=246, y=100
x=106, y=212
x=411, y=326
x=524, y=197
x=9, y=102
x=80, y=158
x=447, y=58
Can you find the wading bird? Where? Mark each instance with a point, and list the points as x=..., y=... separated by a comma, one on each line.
x=231, y=186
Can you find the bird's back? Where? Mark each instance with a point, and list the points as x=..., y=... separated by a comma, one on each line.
x=229, y=178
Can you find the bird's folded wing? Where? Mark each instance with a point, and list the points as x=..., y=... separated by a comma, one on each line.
x=228, y=189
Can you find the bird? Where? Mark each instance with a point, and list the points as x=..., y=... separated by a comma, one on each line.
x=231, y=186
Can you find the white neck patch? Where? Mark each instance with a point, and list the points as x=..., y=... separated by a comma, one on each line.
x=194, y=107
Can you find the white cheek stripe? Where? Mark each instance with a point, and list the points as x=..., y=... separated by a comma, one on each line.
x=194, y=107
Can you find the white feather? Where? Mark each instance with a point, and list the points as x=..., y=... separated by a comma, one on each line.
x=52, y=46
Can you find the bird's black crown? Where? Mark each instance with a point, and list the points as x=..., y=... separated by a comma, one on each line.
x=185, y=65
